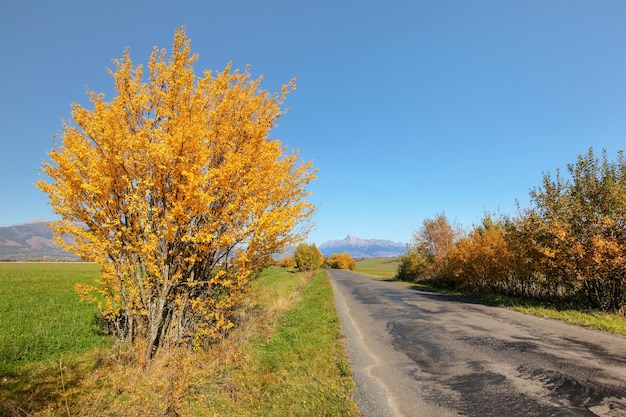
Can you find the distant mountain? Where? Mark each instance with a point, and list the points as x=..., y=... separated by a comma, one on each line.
x=363, y=248
x=31, y=241
x=34, y=241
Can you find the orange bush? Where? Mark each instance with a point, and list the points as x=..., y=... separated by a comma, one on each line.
x=175, y=188
x=481, y=260
x=340, y=261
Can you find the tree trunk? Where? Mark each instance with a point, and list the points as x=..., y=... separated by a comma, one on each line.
x=156, y=320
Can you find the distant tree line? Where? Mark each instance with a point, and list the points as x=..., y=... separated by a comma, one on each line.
x=569, y=245
x=307, y=257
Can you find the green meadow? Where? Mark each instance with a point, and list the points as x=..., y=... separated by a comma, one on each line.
x=41, y=316
x=284, y=357
x=384, y=268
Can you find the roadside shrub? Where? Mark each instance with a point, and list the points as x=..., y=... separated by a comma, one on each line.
x=481, y=260
x=286, y=262
x=341, y=261
x=414, y=264
x=568, y=246
x=427, y=255
x=308, y=257
x=577, y=226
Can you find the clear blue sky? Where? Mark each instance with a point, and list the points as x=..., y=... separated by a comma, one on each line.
x=407, y=108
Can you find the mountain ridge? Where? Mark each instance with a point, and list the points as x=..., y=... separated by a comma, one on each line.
x=31, y=241
x=363, y=248
x=34, y=241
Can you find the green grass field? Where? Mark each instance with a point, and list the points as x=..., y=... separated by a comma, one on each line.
x=384, y=268
x=41, y=316
x=285, y=357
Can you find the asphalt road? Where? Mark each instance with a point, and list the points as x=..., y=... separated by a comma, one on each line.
x=416, y=353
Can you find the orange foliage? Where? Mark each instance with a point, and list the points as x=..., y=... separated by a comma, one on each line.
x=481, y=260
x=426, y=257
x=341, y=261
x=570, y=244
x=578, y=227
x=176, y=189
x=287, y=262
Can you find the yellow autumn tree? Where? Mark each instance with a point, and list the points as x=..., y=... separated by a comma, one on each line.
x=340, y=261
x=307, y=257
x=175, y=187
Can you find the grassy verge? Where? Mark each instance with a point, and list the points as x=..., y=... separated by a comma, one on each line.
x=597, y=320
x=284, y=358
x=383, y=268
x=300, y=370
